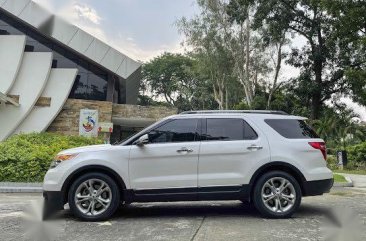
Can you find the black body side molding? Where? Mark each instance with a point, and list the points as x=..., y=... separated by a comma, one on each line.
x=188, y=194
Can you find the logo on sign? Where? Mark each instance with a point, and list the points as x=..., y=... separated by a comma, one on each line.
x=89, y=124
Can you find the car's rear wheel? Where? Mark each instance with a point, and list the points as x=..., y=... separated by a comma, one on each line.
x=277, y=195
x=94, y=197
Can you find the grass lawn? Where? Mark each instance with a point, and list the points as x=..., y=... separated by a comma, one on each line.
x=360, y=172
x=339, y=178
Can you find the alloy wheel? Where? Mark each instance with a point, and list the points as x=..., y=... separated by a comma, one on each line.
x=278, y=194
x=93, y=197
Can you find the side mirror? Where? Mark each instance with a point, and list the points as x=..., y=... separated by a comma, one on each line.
x=144, y=139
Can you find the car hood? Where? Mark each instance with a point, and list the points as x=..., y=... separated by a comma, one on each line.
x=87, y=149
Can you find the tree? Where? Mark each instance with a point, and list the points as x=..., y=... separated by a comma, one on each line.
x=212, y=65
x=215, y=31
x=339, y=127
x=168, y=76
x=177, y=80
x=277, y=56
x=349, y=20
x=320, y=59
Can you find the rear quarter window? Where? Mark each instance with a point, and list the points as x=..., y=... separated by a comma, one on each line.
x=292, y=129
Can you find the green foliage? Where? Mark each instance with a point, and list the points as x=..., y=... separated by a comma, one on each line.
x=231, y=56
x=357, y=82
x=229, y=65
x=167, y=74
x=332, y=59
x=332, y=162
x=339, y=128
x=27, y=157
x=357, y=153
x=233, y=44
x=174, y=78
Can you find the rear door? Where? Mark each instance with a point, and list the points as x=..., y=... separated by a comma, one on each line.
x=232, y=148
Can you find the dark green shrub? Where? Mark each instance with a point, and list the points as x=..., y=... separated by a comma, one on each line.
x=27, y=157
x=357, y=153
x=332, y=162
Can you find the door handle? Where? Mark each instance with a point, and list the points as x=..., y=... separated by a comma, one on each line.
x=184, y=149
x=254, y=147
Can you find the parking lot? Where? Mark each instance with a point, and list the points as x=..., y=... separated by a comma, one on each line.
x=343, y=210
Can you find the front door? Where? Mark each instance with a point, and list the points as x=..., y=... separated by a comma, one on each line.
x=169, y=160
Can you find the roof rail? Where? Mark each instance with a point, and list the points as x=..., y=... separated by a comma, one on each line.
x=276, y=112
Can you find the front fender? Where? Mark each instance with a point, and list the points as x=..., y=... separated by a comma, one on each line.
x=113, y=160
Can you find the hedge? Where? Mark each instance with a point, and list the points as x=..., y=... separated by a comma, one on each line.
x=357, y=153
x=27, y=157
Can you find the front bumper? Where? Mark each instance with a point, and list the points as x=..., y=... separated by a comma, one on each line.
x=53, y=201
x=318, y=187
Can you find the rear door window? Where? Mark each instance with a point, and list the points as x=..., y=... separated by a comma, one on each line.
x=229, y=129
x=292, y=129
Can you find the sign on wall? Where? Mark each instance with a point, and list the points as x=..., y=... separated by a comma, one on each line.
x=105, y=127
x=88, y=123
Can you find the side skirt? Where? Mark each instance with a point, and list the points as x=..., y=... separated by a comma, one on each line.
x=188, y=194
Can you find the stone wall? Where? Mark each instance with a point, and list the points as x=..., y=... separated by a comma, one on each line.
x=142, y=112
x=67, y=121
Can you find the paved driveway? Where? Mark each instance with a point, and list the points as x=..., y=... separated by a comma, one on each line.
x=212, y=221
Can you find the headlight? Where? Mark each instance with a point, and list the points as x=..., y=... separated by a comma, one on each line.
x=60, y=158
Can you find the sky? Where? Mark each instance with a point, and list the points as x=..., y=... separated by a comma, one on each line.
x=141, y=29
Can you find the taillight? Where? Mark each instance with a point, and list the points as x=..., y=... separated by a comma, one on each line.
x=320, y=146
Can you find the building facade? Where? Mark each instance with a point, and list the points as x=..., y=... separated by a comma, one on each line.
x=50, y=70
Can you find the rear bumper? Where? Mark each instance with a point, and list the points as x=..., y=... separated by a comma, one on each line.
x=318, y=187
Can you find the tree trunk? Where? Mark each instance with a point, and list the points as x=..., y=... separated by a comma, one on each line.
x=247, y=64
x=278, y=67
x=217, y=97
x=316, y=98
x=226, y=99
x=219, y=94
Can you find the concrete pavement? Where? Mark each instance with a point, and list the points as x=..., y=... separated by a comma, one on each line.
x=358, y=180
x=187, y=221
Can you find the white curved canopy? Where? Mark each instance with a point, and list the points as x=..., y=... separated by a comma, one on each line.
x=71, y=36
x=11, y=54
x=29, y=84
x=58, y=88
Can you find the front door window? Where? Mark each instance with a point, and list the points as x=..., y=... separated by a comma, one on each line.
x=184, y=130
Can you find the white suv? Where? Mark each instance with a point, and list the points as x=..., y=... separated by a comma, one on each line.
x=268, y=158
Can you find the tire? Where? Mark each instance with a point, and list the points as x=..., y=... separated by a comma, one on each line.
x=270, y=201
x=98, y=195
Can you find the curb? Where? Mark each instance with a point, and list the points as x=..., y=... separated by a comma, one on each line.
x=349, y=183
x=20, y=187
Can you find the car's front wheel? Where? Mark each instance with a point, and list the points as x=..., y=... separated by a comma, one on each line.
x=94, y=197
x=277, y=195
